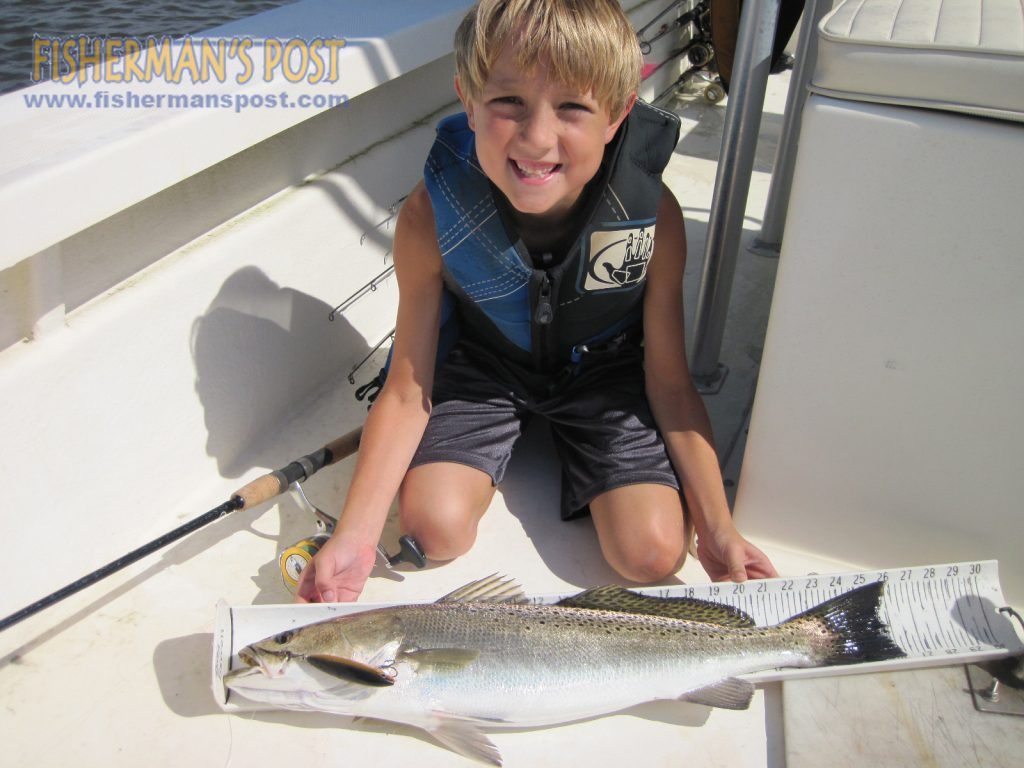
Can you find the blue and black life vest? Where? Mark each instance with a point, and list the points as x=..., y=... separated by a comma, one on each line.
x=545, y=319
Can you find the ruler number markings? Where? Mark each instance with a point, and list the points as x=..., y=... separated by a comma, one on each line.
x=932, y=610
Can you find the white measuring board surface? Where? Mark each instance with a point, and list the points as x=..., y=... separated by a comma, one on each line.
x=939, y=615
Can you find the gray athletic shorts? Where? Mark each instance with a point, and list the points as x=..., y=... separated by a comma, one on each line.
x=601, y=423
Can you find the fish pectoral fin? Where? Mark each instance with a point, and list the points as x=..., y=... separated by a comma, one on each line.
x=465, y=737
x=350, y=670
x=730, y=693
x=441, y=657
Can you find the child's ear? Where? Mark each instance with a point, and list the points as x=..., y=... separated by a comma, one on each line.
x=466, y=103
x=613, y=127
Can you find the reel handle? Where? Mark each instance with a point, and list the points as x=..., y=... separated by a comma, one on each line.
x=410, y=552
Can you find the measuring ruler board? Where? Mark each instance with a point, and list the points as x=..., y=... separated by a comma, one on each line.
x=939, y=615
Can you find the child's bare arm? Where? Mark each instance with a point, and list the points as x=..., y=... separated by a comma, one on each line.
x=399, y=415
x=679, y=410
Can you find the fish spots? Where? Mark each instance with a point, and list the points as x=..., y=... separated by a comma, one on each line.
x=529, y=664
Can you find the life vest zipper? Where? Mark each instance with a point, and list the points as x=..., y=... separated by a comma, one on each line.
x=543, y=320
x=544, y=313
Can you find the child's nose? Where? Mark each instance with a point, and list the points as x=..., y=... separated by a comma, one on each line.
x=538, y=129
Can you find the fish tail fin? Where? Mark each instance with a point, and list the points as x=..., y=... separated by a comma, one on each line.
x=847, y=628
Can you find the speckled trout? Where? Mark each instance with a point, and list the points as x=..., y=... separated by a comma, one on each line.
x=482, y=658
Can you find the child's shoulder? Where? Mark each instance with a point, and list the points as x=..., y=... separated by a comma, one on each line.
x=416, y=236
x=417, y=210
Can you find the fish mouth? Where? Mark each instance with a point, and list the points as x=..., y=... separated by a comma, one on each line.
x=269, y=665
x=242, y=673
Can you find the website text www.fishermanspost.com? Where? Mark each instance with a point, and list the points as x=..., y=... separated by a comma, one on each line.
x=236, y=102
x=190, y=67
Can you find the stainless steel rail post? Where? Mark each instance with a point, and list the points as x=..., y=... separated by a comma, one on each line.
x=732, y=183
x=769, y=241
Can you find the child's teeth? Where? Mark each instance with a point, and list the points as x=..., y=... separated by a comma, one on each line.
x=535, y=173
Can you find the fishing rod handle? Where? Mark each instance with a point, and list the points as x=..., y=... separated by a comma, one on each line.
x=344, y=446
x=259, y=490
x=275, y=483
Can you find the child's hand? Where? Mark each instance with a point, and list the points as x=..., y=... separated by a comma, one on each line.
x=337, y=573
x=727, y=555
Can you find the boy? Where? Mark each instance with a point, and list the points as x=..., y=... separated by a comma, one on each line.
x=535, y=219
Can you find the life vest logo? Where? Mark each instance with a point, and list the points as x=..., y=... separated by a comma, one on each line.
x=618, y=258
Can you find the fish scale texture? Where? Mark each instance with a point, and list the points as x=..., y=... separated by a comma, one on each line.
x=540, y=664
x=454, y=665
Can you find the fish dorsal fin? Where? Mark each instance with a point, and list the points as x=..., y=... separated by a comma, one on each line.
x=615, y=598
x=492, y=589
x=730, y=693
x=350, y=670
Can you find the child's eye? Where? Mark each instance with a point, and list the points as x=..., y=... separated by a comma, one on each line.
x=515, y=100
x=572, y=105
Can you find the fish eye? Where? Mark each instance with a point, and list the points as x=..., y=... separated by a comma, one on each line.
x=284, y=638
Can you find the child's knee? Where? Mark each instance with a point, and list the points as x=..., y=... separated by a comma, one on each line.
x=650, y=552
x=649, y=561
x=643, y=530
x=440, y=506
x=443, y=529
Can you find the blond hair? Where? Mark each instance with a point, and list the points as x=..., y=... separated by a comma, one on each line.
x=590, y=45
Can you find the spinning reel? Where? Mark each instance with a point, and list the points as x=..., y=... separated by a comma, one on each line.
x=296, y=557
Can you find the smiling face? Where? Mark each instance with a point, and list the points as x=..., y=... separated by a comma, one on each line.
x=538, y=140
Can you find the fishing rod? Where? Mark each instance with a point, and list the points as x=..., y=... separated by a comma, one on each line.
x=250, y=495
x=696, y=14
x=640, y=33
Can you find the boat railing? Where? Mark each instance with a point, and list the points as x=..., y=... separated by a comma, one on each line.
x=757, y=31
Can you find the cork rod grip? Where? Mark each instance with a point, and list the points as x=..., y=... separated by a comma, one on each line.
x=259, y=490
x=344, y=446
x=275, y=483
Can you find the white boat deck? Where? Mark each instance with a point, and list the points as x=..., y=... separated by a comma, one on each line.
x=123, y=670
x=120, y=674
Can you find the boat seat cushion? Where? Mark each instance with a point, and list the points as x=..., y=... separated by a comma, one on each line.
x=958, y=55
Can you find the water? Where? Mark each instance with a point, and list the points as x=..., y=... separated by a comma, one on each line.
x=20, y=19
